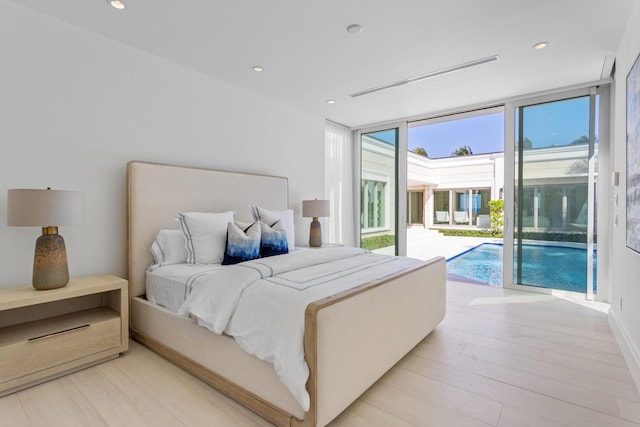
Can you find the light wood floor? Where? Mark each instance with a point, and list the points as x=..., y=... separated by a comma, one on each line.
x=500, y=358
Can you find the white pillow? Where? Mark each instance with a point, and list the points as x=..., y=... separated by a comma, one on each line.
x=270, y=217
x=169, y=247
x=206, y=235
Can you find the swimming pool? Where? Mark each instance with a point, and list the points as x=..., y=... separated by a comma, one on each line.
x=556, y=267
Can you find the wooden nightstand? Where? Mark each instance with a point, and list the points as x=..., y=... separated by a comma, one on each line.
x=47, y=334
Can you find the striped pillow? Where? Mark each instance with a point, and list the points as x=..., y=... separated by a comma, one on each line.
x=169, y=247
x=206, y=234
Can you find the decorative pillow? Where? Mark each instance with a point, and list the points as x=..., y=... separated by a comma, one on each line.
x=206, y=235
x=274, y=240
x=270, y=217
x=243, y=242
x=169, y=247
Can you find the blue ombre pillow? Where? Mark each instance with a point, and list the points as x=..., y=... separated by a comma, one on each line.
x=274, y=240
x=243, y=242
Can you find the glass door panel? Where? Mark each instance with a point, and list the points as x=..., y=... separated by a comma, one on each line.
x=415, y=207
x=441, y=214
x=379, y=195
x=480, y=207
x=554, y=154
x=461, y=207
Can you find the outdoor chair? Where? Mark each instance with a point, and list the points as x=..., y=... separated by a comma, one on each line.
x=442, y=216
x=483, y=221
x=461, y=217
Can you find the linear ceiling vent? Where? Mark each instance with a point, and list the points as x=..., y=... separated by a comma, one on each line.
x=428, y=75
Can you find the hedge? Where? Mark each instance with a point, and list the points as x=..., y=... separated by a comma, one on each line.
x=377, y=242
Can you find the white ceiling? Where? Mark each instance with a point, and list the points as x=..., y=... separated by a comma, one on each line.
x=309, y=57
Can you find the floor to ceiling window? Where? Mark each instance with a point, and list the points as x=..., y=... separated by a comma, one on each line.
x=554, y=202
x=456, y=166
x=381, y=192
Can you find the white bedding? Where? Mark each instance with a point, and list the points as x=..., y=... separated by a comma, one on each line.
x=261, y=303
x=168, y=285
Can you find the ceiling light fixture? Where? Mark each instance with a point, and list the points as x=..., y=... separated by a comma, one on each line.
x=354, y=29
x=428, y=75
x=540, y=45
x=331, y=101
x=258, y=68
x=117, y=4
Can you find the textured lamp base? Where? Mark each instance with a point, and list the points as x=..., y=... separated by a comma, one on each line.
x=315, y=234
x=50, y=269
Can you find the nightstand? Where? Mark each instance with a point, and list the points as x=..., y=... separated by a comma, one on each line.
x=47, y=334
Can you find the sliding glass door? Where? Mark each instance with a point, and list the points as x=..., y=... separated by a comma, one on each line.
x=382, y=223
x=553, y=147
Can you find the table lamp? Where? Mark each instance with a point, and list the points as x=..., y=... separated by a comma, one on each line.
x=47, y=209
x=315, y=209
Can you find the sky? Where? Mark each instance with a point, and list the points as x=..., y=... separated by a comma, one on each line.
x=557, y=123
x=551, y=124
x=484, y=134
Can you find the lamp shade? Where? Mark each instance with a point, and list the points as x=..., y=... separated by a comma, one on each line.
x=44, y=207
x=315, y=208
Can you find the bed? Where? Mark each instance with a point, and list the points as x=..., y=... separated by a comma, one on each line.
x=350, y=338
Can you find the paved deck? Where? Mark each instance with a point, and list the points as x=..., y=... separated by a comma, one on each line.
x=425, y=244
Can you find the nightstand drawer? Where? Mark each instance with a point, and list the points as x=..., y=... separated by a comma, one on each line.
x=42, y=344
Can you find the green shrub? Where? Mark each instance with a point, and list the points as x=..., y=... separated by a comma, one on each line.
x=377, y=242
x=471, y=233
x=496, y=211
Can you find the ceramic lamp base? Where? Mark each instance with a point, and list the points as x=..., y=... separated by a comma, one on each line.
x=315, y=234
x=50, y=270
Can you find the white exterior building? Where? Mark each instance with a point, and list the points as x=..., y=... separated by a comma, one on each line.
x=456, y=191
x=440, y=189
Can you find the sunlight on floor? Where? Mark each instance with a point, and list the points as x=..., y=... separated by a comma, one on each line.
x=527, y=297
x=600, y=306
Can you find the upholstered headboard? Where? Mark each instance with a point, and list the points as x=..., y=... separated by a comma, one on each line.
x=156, y=193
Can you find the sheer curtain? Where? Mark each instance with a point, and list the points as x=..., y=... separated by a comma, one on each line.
x=338, y=172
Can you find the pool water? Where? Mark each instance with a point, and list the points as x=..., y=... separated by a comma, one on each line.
x=554, y=267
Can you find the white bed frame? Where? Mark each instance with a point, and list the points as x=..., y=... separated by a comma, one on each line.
x=351, y=339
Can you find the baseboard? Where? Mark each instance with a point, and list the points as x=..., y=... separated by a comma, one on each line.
x=629, y=350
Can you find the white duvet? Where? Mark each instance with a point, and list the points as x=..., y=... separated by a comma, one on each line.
x=261, y=303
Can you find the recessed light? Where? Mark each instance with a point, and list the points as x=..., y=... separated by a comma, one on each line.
x=258, y=68
x=331, y=101
x=117, y=4
x=354, y=29
x=540, y=45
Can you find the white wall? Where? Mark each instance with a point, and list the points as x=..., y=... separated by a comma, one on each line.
x=75, y=107
x=625, y=263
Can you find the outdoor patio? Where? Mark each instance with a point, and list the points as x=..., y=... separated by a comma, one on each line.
x=425, y=244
